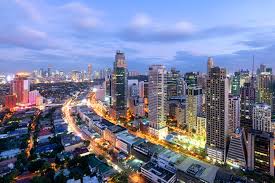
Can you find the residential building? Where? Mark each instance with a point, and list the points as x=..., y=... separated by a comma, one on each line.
x=262, y=117
x=261, y=152
x=217, y=114
x=234, y=107
x=158, y=101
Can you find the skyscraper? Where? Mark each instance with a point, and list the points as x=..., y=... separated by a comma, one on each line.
x=235, y=84
x=261, y=152
x=158, y=101
x=119, y=86
x=262, y=117
x=217, y=114
x=89, y=73
x=173, y=83
x=193, y=107
x=21, y=87
x=210, y=64
x=248, y=99
x=191, y=78
x=265, y=88
x=234, y=107
x=49, y=71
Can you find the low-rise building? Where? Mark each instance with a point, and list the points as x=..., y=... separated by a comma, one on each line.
x=125, y=141
x=111, y=132
x=71, y=142
x=154, y=173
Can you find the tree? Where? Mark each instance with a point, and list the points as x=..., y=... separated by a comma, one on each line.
x=40, y=179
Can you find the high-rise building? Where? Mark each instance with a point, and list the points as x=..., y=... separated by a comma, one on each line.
x=261, y=152
x=119, y=86
x=210, y=64
x=158, y=101
x=76, y=76
x=234, y=107
x=49, y=71
x=217, y=114
x=248, y=99
x=237, y=151
x=262, y=117
x=191, y=78
x=10, y=101
x=235, y=84
x=89, y=73
x=173, y=83
x=265, y=88
x=21, y=87
x=33, y=97
x=193, y=107
x=181, y=115
x=108, y=89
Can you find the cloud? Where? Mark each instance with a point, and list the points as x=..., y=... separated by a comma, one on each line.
x=30, y=10
x=241, y=59
x=140, y=21
x=142, y=28
x=25, y=37
x=82, y=16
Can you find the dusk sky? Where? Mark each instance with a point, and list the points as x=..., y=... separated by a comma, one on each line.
x=181, y=33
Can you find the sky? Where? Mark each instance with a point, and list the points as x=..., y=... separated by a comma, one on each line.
x=69, y=35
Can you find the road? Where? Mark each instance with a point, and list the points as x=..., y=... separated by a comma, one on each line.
x=94, y=146
x=98, y=108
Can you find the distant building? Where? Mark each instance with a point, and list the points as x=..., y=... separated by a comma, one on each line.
x=158, y=101
x=10, y=101
x=34, y=97
x=21, y=87
x=210, y=64
x=89, y=73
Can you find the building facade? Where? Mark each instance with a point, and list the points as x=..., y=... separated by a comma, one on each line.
x=158, y=100
x=119, y=86
x=262, y=117
x=217, y=114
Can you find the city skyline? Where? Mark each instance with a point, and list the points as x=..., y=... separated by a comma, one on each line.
x=70, y=35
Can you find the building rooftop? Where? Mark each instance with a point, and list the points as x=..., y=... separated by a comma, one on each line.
x=157, y=170
x=70, y=139
x=116, y=128
x=198, y=169
x=129, y=138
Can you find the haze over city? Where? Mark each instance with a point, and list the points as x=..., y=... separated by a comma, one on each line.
x=71, y=34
